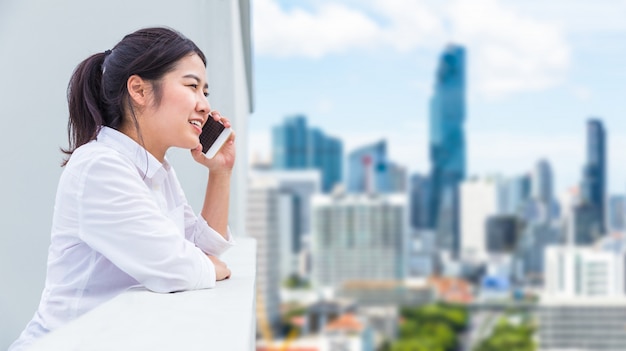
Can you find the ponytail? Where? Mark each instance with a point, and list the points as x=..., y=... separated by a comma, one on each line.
x=84, y=96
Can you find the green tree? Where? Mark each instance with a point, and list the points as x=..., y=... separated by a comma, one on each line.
x=416, y=344
x=509, y=337
x=435, y=324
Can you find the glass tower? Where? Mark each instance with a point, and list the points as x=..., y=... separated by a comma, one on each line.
x=296, y=146
x=447, y=146
x=594, y=172
x=367, y=169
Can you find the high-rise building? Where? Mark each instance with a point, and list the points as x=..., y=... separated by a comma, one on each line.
x=295, y=189
x=263, y=224
x=296, y=146
x=480, y=199
x=359, y=237
x=528, y=255
x=502, y=233
x=542, y=184
x=447, y=146
x=419, y=193
x=617, y=214
x=370, y=171
x=515, y=194
x=584, y=272
x=581, y=324
x=585, y=224
x=593, y=189
x=542, y=207
x=583, y=306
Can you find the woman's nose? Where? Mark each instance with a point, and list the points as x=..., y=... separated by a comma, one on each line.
x=203, y=106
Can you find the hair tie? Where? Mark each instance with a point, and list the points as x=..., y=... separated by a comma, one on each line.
x=107, y=52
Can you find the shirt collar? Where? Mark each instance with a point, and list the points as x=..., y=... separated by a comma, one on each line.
x=147, y=165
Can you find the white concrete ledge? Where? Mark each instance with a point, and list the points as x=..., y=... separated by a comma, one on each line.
x=222, y=318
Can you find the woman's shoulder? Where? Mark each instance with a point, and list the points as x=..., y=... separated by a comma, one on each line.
x=94, y=152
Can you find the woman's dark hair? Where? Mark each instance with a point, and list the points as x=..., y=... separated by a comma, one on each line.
x=97, y=93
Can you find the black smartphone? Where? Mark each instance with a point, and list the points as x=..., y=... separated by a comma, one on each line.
x=213, y=136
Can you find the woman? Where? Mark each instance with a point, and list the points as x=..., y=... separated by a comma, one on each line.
x=121, y=219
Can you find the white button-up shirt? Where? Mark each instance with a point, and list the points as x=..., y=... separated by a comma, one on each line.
x=120, y=220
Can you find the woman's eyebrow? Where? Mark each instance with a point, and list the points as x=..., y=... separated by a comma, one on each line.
x=193, y=76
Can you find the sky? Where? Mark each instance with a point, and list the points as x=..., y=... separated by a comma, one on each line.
x=364, y=70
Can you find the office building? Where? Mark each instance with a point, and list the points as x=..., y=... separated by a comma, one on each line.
x=593, y=187
x=542, y=207
x=528, y=260
x=419, y=195
x=296, y=146
x=587, y=227
x=265, y=204
x=502, y=233
x=584, y=272
x=295, y=188
x=516, y=194
x=358, y=237
x=480, y=200
x=447, y=146
x=582, y=324
x=583, y=306
x=617, y=214
x=369, y=170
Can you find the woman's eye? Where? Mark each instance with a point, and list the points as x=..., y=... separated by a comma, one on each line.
x=206, y=94
x=195, y=86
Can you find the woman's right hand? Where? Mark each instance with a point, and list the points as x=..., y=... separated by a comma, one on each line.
x=221, y=270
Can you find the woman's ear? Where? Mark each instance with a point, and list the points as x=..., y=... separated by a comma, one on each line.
x=138, y=89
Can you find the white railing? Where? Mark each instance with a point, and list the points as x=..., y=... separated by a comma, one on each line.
x=215, y=319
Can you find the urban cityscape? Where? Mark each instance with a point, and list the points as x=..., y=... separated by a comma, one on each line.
x=410, y=174
x=354, y=253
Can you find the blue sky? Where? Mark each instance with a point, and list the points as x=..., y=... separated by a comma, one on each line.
x=363, y=71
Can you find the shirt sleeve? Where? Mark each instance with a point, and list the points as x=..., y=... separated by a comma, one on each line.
x=119, y=219
x=198, y=231
x=206, y=238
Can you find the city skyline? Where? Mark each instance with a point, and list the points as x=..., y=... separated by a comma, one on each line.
x=372, y=77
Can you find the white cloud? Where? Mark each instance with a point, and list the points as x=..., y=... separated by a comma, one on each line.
x=508, y=52
x=411, y=24
x=333, y=28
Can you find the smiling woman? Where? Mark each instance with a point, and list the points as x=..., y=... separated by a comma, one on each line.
x=120, y=218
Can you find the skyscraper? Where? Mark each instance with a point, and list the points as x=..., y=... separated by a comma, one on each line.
x=447, y=146
x=264, y=224
x=419, y=194
x=617, y=214
x=370, y=171
x=295, y=189
x=359, y=237
x=542, y=206
x=594, y=172
x=296, y=146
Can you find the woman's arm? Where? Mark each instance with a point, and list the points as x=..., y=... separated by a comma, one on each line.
x=217, y=196
x=216, y=202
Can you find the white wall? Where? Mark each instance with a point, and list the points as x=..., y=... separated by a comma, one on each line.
x=41, y=42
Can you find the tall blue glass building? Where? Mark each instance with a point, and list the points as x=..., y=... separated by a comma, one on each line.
x=594, y=173
x=447, y=146
x=296, y=146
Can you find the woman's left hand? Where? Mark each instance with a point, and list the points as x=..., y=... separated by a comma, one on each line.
x=224, y=160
